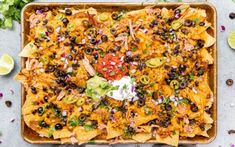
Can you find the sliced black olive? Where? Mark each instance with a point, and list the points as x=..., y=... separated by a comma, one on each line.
x=33, y=90
x=65, y=21
x=82, y=117
x=141, y=102
x=229, y=82
x=50, y=29
x=40, y=110
x=114, y=16
x=232, y=15
x=68, y=11
x=104, y=38
x=8, y=103
x=93, y=41
x=168, y=107
x=45, y=22
x=59, y=73
x=153, y=23
x=86, y=24
x=88, y=50
x=200, y=43
x=188, y=23
x=128, y=59
x=183, y=84
x=113, y=31
x=72, y=39
x=45, y=98
x=155, y=95
x=140, y=95
x=58, y=126
x=202, y=23
x=80, y=89
x=193, y=107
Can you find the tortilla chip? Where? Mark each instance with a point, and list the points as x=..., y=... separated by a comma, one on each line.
x=72, y=140
x=64, y=133
x=170, y=140
x=113, y=132
x=165, y=13
x=142, y=137
x=207, y=127
x=84, y=136
x=209, y=40
x=206, y=56
x=207, y=118
x=29, y=50
x=139, y=120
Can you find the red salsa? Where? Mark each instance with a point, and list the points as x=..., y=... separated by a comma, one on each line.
x=112, y=67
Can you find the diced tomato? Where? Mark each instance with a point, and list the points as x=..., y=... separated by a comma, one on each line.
x=111, y=67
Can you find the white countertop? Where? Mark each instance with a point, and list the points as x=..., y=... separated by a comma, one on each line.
x=10, y=43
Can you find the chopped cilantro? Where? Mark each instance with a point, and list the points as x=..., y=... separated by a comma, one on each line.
x=134, y=49
x=124, y=86
x=91, y=142
x=102, y=54
x=191, y=76
x=88, y=127
x=184, y=100
x=166, y=100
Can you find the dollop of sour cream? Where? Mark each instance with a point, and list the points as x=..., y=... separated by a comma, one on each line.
x=124, y=89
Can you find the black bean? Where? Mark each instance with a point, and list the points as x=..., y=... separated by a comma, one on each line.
x=114, y=16
x=141, y=102
x=232, y=15
x=65, y=21
x=53, y=55
x=202, y=126
x=40, y=110
x=165, y=123
x=68, y=11
x=196, y=83
x=192, y=121
x=193, y=107
x=94, y=123
x=152, y=122
x=72, y=39
x=168, y=107
x=45, y=98
x=182, y=68
x=70, y=57
x=202, y=23
x=44, y=89
x=104, y=38
x=50, y=29
x=33, y=90
x=184, y=31
x=58, y=126
x=229, y=82
x=45, y=22
x=43, y=124
x=8, y=103
x=188, y=23
x=96, y=56
x=177, y=11
x=155, y=95
x=200, y=43
x=166, y=67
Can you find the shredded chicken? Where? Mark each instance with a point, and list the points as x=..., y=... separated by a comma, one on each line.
x=88, y=66
x=131, y=30
x=61, y=95
x=32, y=64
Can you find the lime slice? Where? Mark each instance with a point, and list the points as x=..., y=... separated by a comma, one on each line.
x=6, y=64
x=231, y=40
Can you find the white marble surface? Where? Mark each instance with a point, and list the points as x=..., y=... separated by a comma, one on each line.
x=10, y=43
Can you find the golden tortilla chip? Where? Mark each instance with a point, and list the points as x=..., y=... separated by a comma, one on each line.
x=142, y=137
x=72, y=140
x=113, y=132
x=29, y=50
x=139, y=120
x=83, y=136
x=171, y=140
x=206, y=56
x=64, y=133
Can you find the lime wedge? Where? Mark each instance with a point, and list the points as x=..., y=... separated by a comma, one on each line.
x=231, y=40
x=6, y=64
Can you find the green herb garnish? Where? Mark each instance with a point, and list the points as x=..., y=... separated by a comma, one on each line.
x=10, y=10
